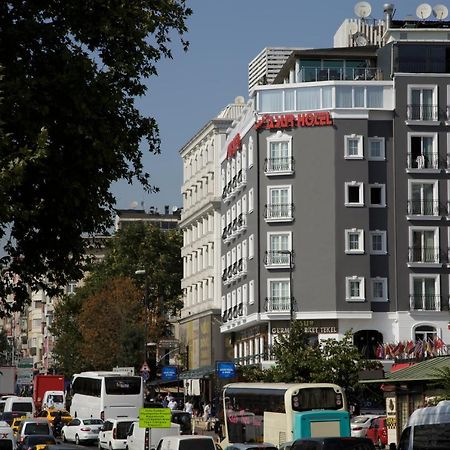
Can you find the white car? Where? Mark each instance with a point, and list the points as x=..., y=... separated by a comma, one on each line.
x=81, y=430
x=113, y=435
x=360, y=424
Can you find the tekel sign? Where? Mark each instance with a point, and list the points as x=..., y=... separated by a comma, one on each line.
x=169, y=373
x=226, y=369
x=155, y=418
x=312, y=119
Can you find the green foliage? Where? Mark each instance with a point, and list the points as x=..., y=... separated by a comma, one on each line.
x=299, y=359
x=442, y=383
x=72, y=71
x=102, y=324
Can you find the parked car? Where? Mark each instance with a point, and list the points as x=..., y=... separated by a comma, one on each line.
x=333, y=443
x=81, y=430
x=360, y=424
x=113, y=434
x=186, y=443
x=25, y=405
x=251, y=446
x=35, y=439
x=377, y=432
x=33, y=426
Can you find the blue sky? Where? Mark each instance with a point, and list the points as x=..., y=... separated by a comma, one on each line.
x=225, y=35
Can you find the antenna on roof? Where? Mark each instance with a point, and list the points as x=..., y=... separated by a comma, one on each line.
x=424, y=11
x=440, y=12
x=363, y=9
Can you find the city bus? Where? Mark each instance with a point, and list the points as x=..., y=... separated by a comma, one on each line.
x=281, y=412
x=106, y=395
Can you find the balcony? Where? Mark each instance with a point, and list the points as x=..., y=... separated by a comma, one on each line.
x=424, y=255
x=422, y=112
x=277, y=259
x=430, y=208
x=309, y=74
x=279, y=166
x=279, y=213
x=278, y=304
x=429, y=161
x=425, y=302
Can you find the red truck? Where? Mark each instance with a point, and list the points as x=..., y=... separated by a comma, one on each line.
x=47, y=383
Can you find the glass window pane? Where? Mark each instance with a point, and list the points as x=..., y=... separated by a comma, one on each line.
x=289, y=99
x=327, y=98
x=375, y=97
x=308, y=99
x=271, y=101
x=359, y=97
x=343, y=97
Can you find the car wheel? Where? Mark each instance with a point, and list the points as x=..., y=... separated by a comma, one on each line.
x=77, y=439
x=63, y=437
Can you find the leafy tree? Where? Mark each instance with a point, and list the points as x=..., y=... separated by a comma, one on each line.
x=111, y=323
x=72, y=71
x=5, y=348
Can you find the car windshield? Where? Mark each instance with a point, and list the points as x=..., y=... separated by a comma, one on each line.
x=56, y=413
x=360, y=419
x=37, y=428
x=93, y=422
x=22, y=407
x=197, y=444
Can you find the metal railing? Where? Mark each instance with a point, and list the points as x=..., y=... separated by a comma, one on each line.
x=425, y=302
x=424, y=161
x=422, y=112
x=277, y=258
x=279, y=211
x=424, y=207
x=275, y=165
x=424, y=254
x=278, y=304
x=308, y=74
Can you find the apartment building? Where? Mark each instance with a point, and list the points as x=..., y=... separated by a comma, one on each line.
x=336, y=193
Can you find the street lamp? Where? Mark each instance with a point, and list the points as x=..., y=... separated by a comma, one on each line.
x=290, y=254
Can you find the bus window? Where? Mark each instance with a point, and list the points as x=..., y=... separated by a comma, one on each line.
x=316, y=398
x=123, y=385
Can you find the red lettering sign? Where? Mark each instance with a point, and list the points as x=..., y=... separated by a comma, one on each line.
x=234, y=146
x=312, y=119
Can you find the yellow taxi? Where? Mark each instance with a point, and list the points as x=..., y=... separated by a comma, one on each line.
x=16, y=424
x=51, y=413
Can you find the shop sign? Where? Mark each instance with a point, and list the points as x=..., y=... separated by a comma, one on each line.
x=312, y=119
x=155, y=418
x=234, y=146
x=313, y=326
x=225, y=369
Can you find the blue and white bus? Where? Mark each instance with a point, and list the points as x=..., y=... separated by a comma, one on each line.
x=281, y=412
x=106, y=395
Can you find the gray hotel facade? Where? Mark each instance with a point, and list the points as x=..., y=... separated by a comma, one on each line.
x=335, y=197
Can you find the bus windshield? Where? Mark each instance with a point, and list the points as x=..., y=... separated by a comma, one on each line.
x=315, y=398
x=123, y=385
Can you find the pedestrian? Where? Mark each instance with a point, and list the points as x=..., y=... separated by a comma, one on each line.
x=188, y=407
x=206, y=412
x=172, y=404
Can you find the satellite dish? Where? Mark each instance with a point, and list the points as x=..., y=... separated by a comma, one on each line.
x=363, y=9
x=424, y=11
x=440, y=12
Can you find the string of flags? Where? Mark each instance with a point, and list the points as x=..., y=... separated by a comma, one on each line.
x=410, y=349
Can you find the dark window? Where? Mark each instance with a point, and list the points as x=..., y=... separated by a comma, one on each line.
x=6, y=444
x=376, y=197
x=29, y=441
x=367, y=342
x=353, y=194
x=22, y=407
x=92, y=422
x=316, y=398
x=404, y=440
x=431, y=437
x=196, y=444
x=123, y=385
x=37, y=428
x=122, y=429
x=87, y=386
x=305, y=445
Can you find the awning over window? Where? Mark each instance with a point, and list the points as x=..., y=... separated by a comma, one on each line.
x=196, y=374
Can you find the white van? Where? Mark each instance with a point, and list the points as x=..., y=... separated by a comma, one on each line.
x=7, y=441
x=187, y=443
x=23, y=405
x=113, y=434
x=136, y=436
x=427, y=428
x=54, y=399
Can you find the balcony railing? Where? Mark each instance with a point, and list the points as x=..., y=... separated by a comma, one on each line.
x=280, y=211
x=424, y=254
x=278, y=304
x=276, y=258
x=424, y=207
x=425, y=302
x=422, y=112
x=307, y=74
x=427, y=161
x=279, y=165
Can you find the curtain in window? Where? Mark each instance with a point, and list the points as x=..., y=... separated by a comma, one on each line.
x=289, y=100
x=271, y=101
x=375, y=97
x=308, y=99
x=344, y=97
x=327, y=97
x=359, y=97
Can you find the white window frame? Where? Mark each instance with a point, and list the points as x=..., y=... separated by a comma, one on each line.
x=384, y=282
x=348, y=138
x=435, y=184
x=360, y=234
x=381, y=233
x=251, y=292
x=382, y=156
x=280, y=280
x=362, y=291
x=250, y=152
x=436, y=241
x=245, y=294
x=435, y=150
x=421, y=87
x=437, y=284
x=278, y=138
x=250, y=200
x=251, y=246
x=383, y=195
x=361, y=194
